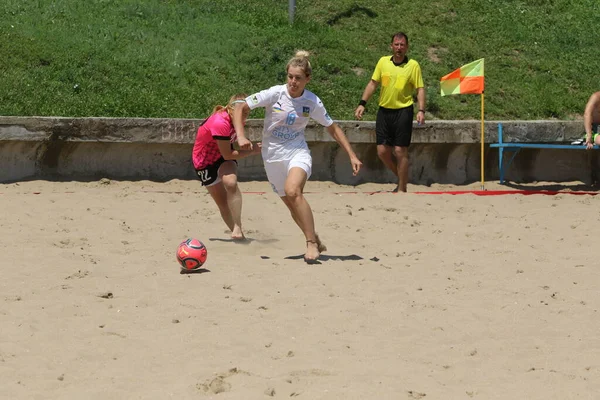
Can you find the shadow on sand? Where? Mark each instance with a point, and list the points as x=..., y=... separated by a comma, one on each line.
x=194, y=271
x=247, y=240
x=554, y=187
x=326, y=257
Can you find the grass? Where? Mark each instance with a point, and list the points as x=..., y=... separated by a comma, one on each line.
x=177, y=59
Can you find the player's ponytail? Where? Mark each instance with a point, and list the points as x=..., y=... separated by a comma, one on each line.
x=231, y=104
x=301, y=60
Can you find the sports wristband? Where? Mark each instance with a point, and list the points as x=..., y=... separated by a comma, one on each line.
x=362, y=103
x=423, y=111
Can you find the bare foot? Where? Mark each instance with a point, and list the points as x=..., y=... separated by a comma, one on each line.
x=312, y=251
x=320, y=246
x=237, y=234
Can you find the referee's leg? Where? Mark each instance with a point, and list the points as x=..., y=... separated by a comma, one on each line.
x=385, y=138
x=385, y=154
x=403, y=135
x=401, y=153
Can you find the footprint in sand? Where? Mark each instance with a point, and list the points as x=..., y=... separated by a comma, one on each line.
x=219, y=384
x=79, y=274
x=216, y=386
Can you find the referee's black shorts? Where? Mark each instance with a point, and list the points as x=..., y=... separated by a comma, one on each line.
x=394, y=126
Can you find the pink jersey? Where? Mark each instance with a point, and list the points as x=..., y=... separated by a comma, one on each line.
x=217, y=127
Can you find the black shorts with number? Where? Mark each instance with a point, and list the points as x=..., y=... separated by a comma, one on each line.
x=209, y=175
x=394, y=126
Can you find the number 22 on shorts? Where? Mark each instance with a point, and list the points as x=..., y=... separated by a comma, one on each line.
x=203, y=175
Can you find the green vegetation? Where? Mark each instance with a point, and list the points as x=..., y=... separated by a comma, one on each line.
x=179, y=58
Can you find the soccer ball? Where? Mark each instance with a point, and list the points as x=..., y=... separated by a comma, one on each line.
x=191, y=254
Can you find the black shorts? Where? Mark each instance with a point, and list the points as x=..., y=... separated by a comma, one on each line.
x=209, y=175
x=394, y=126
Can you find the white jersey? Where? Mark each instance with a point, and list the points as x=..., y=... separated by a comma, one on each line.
x=285, y=120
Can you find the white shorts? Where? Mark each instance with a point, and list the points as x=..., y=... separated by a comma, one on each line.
x=277, y=171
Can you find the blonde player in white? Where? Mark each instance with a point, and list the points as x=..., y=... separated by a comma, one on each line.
x=287, y=159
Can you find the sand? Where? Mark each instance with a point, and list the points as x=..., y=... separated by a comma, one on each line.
x=418, y=297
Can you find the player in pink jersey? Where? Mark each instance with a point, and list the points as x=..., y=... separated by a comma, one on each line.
x=215, y=162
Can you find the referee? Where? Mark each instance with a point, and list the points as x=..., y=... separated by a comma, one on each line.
x=399, y=77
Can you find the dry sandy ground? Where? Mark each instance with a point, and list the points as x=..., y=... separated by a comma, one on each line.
x=418, y=297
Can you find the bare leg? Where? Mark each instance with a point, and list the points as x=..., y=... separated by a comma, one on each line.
x=219, y=195
x=300, y=209
x=401, y=154
x=228, y=198
x=228, y=174
x=320, y=245
x=385, y=154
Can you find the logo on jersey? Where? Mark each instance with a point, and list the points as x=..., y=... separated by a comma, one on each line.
x=254, y=99
x=291, y=118
x=277, y=107
x=306, y=111
x=285, y=133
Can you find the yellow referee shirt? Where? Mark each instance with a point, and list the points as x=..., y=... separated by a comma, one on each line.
x=398, y=82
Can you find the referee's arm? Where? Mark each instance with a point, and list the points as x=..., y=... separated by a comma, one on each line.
x=368, y=92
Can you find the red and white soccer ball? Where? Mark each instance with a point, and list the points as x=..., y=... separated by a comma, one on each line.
x=191, y=254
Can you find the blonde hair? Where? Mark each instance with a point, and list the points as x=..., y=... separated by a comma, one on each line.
x=300, y=60
x=236, y=98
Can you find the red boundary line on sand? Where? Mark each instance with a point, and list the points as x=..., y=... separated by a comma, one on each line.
x=503, y=192
x=452, y=192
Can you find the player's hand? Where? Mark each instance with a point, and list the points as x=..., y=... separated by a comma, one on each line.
x=420, y=118
x=589, y=145
x=244, y=143
x=356, y=165
x=358, y=113
x=257, y=148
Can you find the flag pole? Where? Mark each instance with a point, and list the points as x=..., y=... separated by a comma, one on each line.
x=468, y=79
x=482, y=146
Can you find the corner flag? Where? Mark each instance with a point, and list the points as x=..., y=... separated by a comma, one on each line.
x=468, y=79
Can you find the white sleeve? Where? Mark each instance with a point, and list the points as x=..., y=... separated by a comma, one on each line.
x=319, y=114
x=263, y=98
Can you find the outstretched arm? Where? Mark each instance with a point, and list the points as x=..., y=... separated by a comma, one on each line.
x=238, y=124
x=230, y=154
x=368, y=92
x=588, y=117
x=336, y=132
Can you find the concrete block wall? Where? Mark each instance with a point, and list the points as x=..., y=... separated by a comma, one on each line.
x=160, y=149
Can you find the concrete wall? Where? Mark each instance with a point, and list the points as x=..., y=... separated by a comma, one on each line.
x=159, y=149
